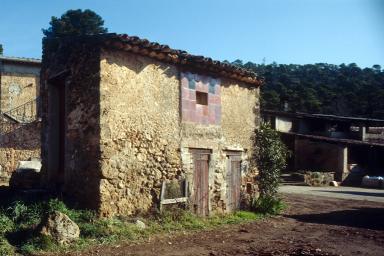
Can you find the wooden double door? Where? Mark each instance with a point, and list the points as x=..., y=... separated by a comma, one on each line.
x=200, y=196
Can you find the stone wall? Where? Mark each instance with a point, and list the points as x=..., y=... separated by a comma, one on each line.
x=321, y=156
x=18, y=143
x=125, y=132
x=17, y=89
x=145, y=139
x=239, y=119
x=19, y=84
x=140, y=131
x=240, y=113
x=70, y=129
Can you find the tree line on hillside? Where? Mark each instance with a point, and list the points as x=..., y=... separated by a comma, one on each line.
x=345, y=90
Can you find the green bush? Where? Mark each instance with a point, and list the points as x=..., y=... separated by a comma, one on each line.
x=268, y=205
x=6, y=224
x=271, y=158
x=5, y=248
x=38, y=243
x=24, y=215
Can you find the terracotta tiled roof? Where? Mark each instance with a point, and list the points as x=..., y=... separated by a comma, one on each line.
x=165, y=53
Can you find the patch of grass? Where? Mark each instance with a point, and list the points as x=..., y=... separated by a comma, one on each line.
x=38, y=243
x=18, y=223
x=268, y=205
x=6, y=224
x=5, y=248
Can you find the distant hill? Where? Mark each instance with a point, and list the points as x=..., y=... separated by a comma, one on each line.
x=346, y=90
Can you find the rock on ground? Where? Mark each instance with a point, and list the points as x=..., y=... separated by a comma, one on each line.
x=139, y=224
x=60, y=227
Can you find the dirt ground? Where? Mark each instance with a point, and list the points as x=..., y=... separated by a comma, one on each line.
x=310, y=226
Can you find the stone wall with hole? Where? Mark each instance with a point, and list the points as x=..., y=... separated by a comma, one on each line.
x=18, y=143
x=19, y=84
x=145, y=137
x=239, y=108
x=126, y=131
x=313, y=155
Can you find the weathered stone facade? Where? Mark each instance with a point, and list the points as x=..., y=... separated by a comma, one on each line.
x=126, y=131
x=19, y=125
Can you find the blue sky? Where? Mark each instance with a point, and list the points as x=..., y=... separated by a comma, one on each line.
x=285, y=31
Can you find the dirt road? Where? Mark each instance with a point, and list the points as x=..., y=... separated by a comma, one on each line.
x=353, y=193
x=310, y=226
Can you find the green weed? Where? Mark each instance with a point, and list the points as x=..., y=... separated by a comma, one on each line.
x=18, y=223
x=268, y=205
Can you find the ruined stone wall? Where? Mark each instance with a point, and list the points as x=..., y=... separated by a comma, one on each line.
x=17, y=89
x=18, y=143
x=71, y=68
x=140, y=131
x=318, y=156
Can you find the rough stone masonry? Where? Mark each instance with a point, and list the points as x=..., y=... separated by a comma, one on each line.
x=133, y=114
x=19, y=126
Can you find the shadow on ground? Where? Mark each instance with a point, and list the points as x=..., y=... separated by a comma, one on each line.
x=368, y=218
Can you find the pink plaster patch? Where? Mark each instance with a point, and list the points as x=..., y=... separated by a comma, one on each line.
x=192, y=105
x=192, y=95
x=217, y=89
x=200, y=87
x=200, y=113
x=184, y=81
x=184, y=104
x=184, y=93
x=205, y=110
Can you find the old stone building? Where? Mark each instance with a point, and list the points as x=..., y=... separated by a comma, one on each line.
x=19, y=124
x=351, y=147
x=121, y=115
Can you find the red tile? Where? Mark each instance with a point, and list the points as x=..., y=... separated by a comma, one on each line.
x=193, y=116
x=199, y=110
x=192, y=95
x=192, y=105
x=184, y=104
x=218, y=114
x=184, y=82
x=210, y=99
x=185, y=93
x=205, y=110
x=218, y=98
x=200, y=87
x=211, y=118
x=218, y=89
